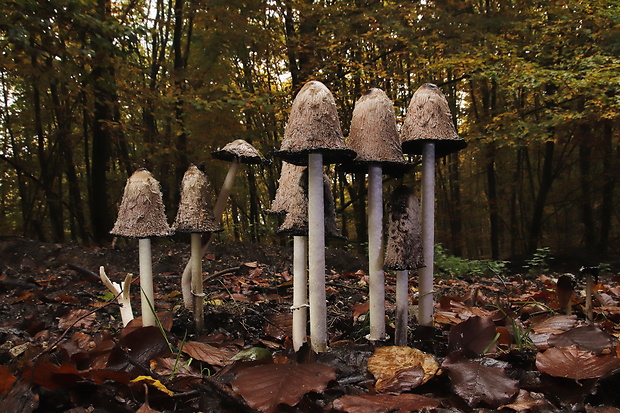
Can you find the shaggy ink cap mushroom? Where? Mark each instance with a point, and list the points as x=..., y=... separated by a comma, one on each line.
x=195, y=214
x=296, y=221
x=374, y=137
x=314, y=126
x=142, y=213
x=404, y=239
x=429, y=120
x=239, y=150
x=289, y=188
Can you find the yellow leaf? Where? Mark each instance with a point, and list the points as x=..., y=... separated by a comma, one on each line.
x=156, y=383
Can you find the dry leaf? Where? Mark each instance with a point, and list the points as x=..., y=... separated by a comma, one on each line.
x=381, y=403
x=474, y=335
x=588, y=337
x=266, y=386
x=527, y=401
x=209, y=354
x=572, y=363
x=387, y=363
x=475, y=383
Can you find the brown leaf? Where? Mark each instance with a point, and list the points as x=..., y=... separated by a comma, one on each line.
x=209, y=354
x=527, y=401
x=391, y=364
x=381, y=403
x=572, y=363
x=279, y=325
x=6, y=379
x=475, y=383
x=474, y=335
x=266, y=386
x=555, y=325
x=588, y=337
x=20, y=399
x=75, y=316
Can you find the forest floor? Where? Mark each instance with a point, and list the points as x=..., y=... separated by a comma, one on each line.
x=501, y=342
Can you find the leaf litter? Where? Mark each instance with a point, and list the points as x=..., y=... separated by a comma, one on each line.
x=496, y=344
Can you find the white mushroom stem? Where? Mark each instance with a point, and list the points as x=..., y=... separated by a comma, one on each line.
x=147, y=296
x=402, y=307
x=316, y=253
x=218, y=211
x=376, y=277
x=197, y=290
x=122, y=294
x=425, y=280
x=300, y=290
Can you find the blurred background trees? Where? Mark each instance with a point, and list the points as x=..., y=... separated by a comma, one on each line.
x=93, y=89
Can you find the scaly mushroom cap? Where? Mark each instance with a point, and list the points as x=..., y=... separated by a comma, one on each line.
x=195, y=212
x=288, y=188
x=404, y=240
x=373, y=135
x=313, y=126
x=241, y=150
x=141, y=213
x=429, y=120
x=296, y=220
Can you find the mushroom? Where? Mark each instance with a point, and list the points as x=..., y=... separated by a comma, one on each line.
x=236, y=152
x=195, y=215
x=403, y=251
x=313, y=137
x=591, y=274
x=428, y=130
x=292, y=199
x=374, y=137
x=122, y=294
x=141, y=215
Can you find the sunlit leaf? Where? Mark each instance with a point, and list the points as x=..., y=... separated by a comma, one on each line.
x=401, y=368
x=209, y=354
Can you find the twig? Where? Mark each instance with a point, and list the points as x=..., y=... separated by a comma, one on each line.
x=222, y=272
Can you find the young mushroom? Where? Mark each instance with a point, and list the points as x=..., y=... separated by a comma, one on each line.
x=313, y=137
x=373, y=136
x=195, y=215
x=292, y=199
x=428, y=130
x=236, y=152
x=141, y=215
x=403, y=252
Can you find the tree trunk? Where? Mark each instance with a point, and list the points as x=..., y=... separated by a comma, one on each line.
x=587, y=214
x=493, y=203
x=543, y=191
x=610, y=174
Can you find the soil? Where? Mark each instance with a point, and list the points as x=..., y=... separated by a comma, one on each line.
x=63, y=347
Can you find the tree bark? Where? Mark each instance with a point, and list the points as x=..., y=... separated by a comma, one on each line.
x=541, y=198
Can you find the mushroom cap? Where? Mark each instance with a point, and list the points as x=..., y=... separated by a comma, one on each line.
x=288, y=188
x=313, y=126
x=429, y=120
x=404, y=239
x=141, y=213
x=296, y=220
x=240, y=150
x=195, y=212
x=373, y=135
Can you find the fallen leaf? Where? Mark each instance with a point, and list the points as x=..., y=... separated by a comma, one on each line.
x=153, y=382
x=527, y=401
x=76, y=318
x=209, y=354
x=473, y=336
x=279, y=325
x=572, y=363
x=475, y=383
x=388, y=364
x=266, y=386
x=588, y=337
x=381, y=403
x=555, y=325
x=6, y=379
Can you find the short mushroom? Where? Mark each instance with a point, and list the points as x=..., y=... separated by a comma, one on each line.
x=312, y=137
x=195, y=216
x=292, y=199
x=403, y=252
x=236, y=152
x=428, y=130
x=141, y=215
x=373, y=136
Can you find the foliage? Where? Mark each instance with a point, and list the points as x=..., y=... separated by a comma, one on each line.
x=539, y=262
x=450, y=266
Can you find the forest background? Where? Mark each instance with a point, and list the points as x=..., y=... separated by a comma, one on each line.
x=93, y=89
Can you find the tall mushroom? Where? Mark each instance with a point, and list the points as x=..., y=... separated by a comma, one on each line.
x=313, y=137
x=428, y=130
x=374, y=137
x=141, y=215
x=292, y=199
x=404, y=251
x=236, y=152
x=195, y=215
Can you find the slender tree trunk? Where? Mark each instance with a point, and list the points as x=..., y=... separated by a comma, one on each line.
x=541, y=198
x=587, y=214
x=493, y=202
x=610, y=176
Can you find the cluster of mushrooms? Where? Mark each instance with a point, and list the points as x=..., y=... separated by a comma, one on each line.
x=312, y=139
